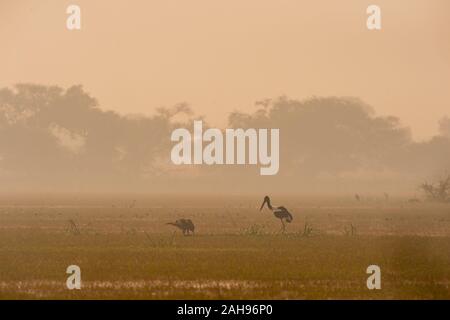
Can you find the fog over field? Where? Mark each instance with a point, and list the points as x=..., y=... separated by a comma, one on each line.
x=55, y=139
x=356, y=200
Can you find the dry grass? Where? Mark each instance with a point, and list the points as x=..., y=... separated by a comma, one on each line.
x=237, y=251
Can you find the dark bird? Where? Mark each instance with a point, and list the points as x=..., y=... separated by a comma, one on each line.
x=279, y=212
x=185, y=225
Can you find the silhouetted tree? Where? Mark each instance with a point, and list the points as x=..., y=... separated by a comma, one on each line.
x=439, y=191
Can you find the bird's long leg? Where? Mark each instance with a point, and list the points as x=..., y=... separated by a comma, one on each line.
x=283, y=227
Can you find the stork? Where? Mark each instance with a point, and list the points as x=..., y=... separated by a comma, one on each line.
x=185, y=225
x=279, y=212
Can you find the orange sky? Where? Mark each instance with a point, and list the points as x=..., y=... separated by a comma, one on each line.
x=135, y=56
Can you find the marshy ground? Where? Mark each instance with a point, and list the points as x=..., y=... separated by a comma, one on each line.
x=125, y=250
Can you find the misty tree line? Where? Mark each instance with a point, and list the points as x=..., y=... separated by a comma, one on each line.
x=53, y=138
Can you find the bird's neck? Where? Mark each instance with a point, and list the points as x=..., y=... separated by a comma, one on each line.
x=269, y=205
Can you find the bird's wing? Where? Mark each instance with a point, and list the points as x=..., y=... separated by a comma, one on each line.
x=284, y=211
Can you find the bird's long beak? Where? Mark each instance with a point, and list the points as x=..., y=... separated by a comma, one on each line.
x=262, y=206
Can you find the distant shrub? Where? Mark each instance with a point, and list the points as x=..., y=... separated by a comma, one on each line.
x=439, y=191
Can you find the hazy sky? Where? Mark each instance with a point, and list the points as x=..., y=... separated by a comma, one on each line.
x=135, y=56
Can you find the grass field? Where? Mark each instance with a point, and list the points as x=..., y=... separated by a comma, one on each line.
x=125, y=250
